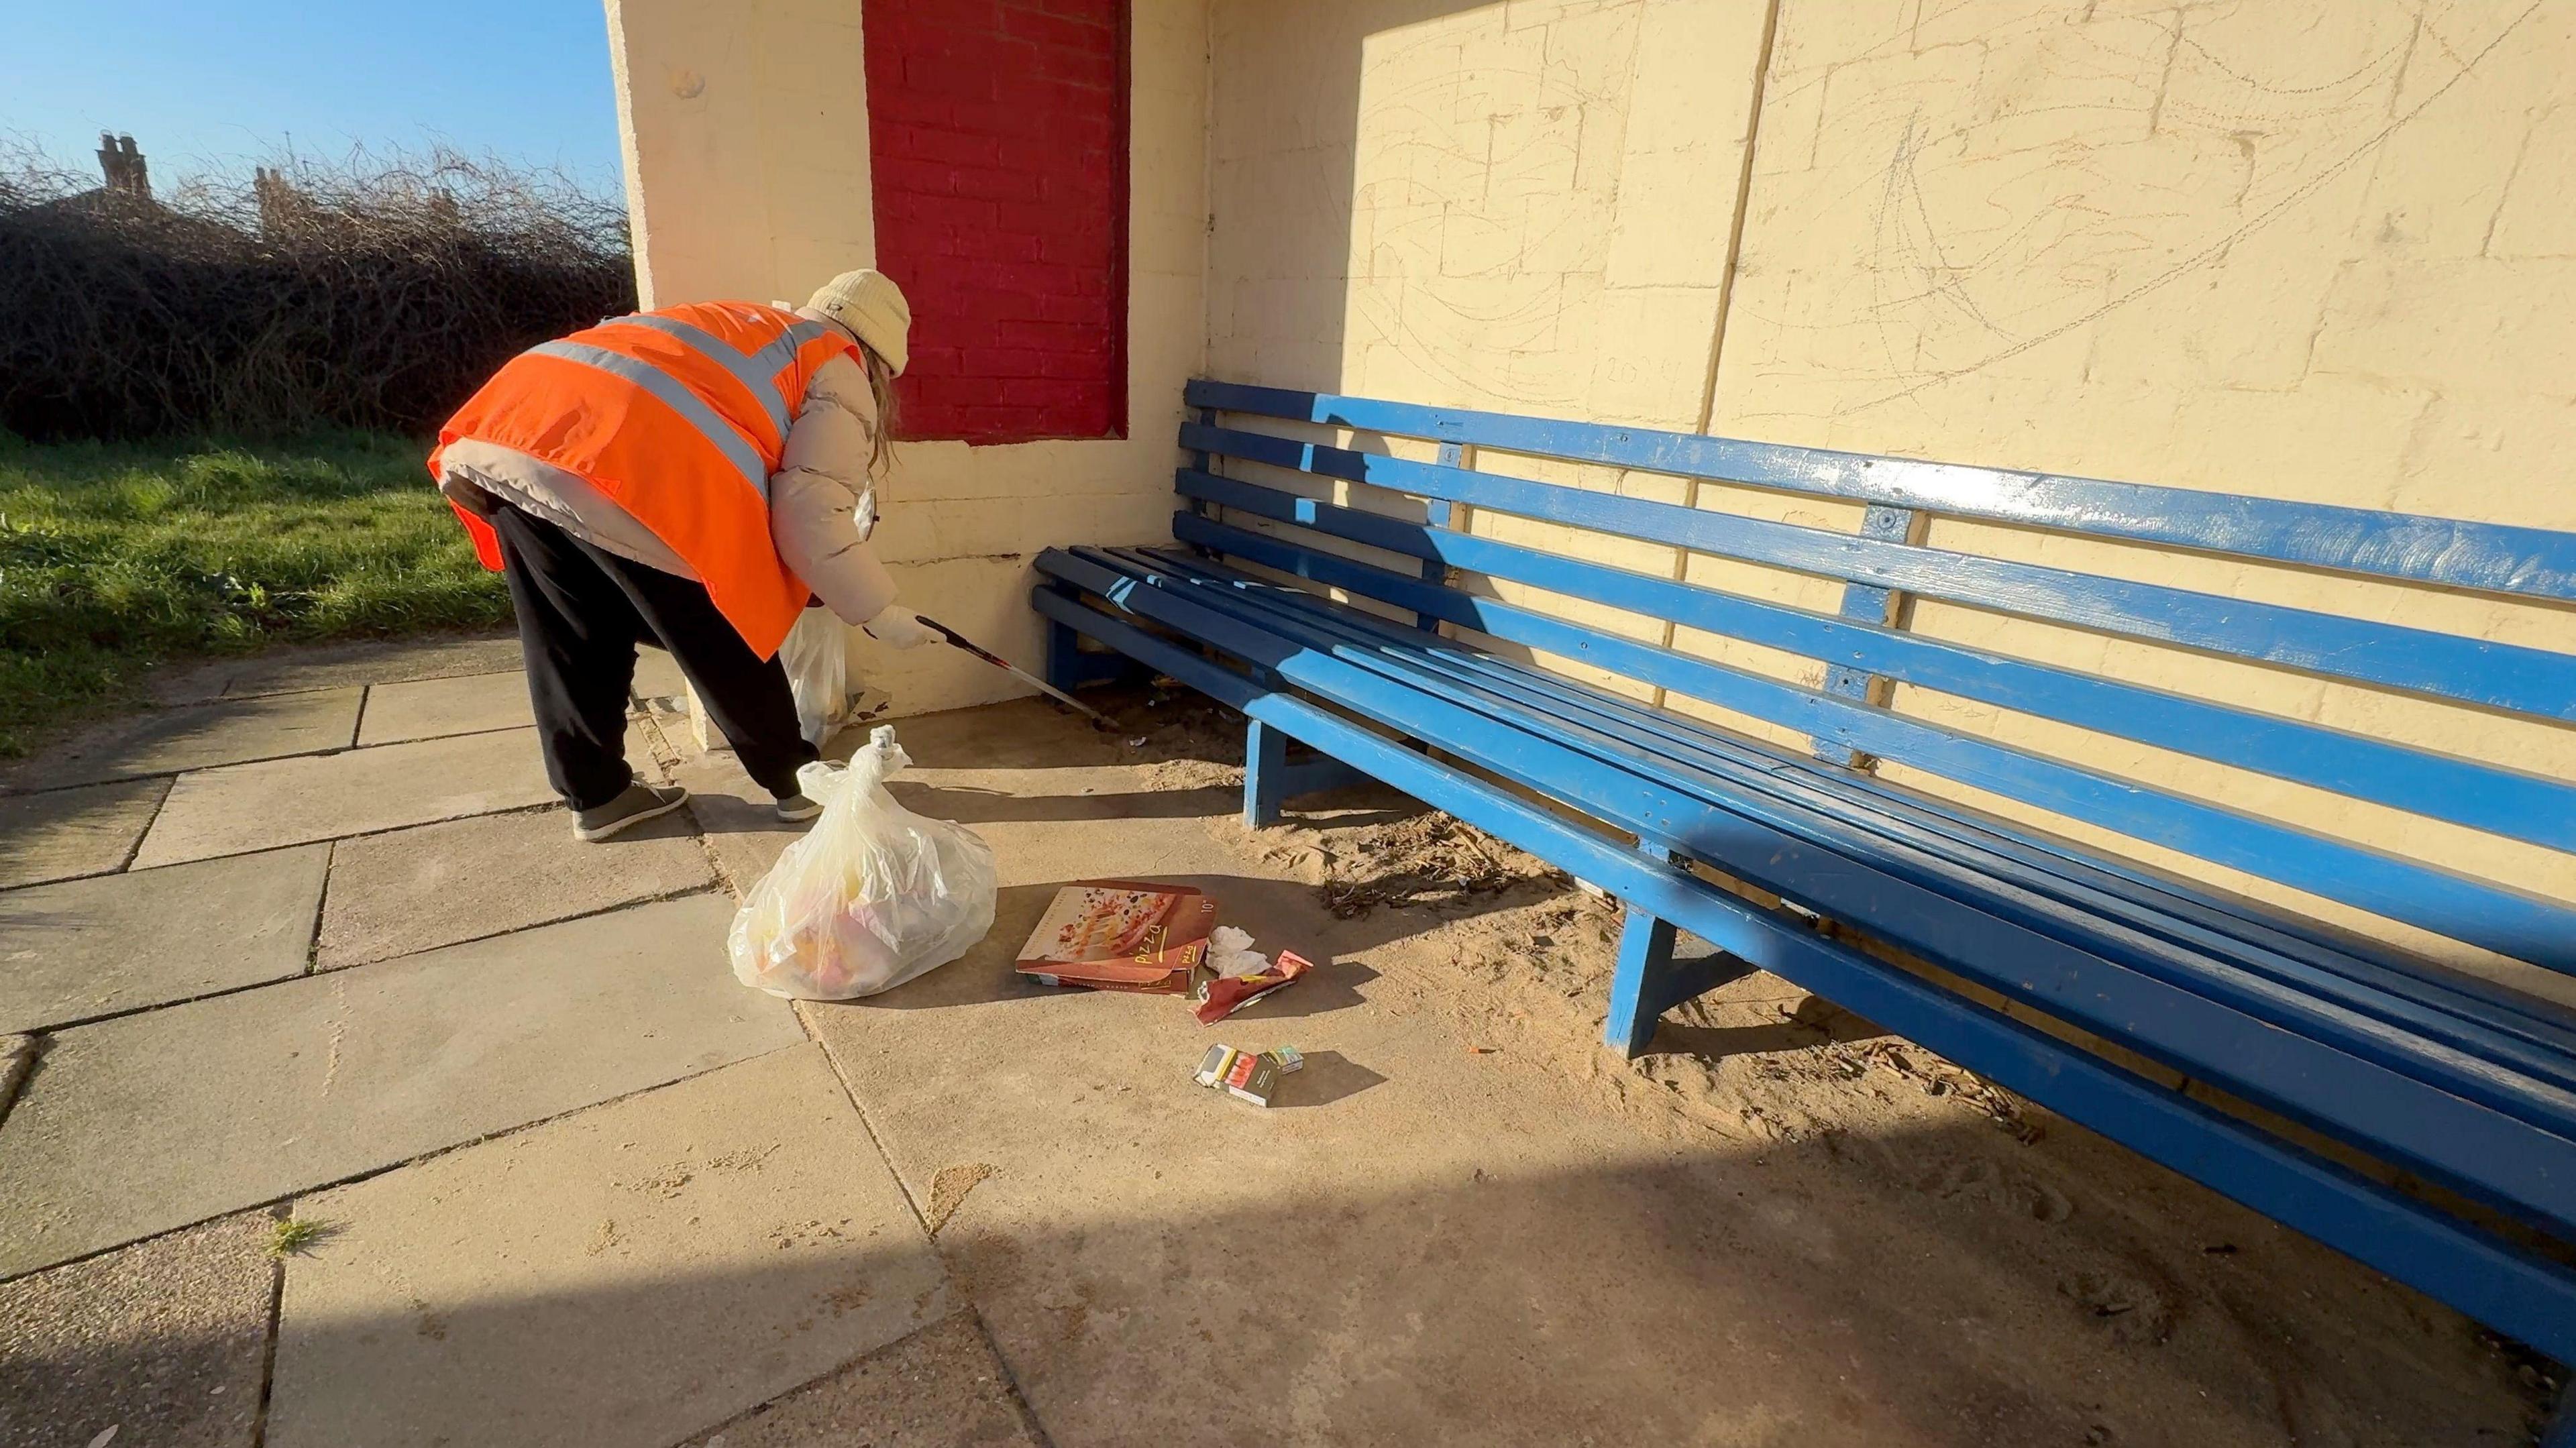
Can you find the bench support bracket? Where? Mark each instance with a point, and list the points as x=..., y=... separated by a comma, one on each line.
x=1441, y=513
x=1648, y=981
x=1870, y=604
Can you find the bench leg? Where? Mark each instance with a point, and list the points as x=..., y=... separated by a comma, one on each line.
x=1069, y=666
x=1645, y=958
x=1063, y=655
x=1270, y=781
x=1265, y=774
x=1649, y=982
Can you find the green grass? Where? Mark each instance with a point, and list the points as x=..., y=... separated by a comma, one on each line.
x=114, y=555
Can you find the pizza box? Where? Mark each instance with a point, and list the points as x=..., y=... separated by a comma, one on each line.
x=1120, y=935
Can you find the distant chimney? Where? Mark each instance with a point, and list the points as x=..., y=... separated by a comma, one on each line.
x=123, y=165
x=278, y=210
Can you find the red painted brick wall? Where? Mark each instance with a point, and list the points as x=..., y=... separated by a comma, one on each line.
x=998, y=134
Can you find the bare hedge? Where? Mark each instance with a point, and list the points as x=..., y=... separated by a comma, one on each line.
x=371, y=294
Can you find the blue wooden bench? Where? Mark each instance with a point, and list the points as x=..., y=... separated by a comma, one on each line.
x=2418, y=1118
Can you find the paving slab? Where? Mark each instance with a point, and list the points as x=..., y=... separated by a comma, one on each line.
x=939, y=1388
x=286, y=668
x=435, y=708
x=658, y=676
x=737, y=817
x=412, y=890
x=198, y=736
x=373, y=661
x=134, y=1126
x=245, y=807
x=66, y=833
x=95, y=947
x=620, y=1278
x=17, y=1061
x=164, y=1343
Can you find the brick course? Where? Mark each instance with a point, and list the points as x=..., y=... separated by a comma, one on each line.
x=998, y=136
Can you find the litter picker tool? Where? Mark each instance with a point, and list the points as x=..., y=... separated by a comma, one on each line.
x=1032, y=680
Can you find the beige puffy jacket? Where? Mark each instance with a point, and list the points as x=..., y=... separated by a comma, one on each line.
x=822, y=501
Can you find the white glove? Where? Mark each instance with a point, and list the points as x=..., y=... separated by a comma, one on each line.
x=899, y=627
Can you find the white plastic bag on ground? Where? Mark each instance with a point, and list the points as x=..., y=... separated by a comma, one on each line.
x=871, y=897
x=817, y=656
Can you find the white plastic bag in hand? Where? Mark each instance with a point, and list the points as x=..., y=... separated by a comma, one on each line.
x=871, y=897
x=817, y=657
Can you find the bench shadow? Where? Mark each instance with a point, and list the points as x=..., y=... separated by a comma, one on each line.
x=1715, y=1043
x=971, y=806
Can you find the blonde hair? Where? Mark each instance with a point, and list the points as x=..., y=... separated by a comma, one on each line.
x=881, y=391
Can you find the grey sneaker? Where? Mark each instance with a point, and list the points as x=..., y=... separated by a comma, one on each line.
x=796, y=809
x=639, y=803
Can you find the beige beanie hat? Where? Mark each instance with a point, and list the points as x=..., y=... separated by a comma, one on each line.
x=869, y=303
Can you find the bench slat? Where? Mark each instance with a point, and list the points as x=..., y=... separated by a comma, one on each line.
x=2490, y=557
x=2471, y=1147
x=2509, y=802
x=2479, y=1023
x=2515, y=1292
x=2484, y=913
x=2478, y=671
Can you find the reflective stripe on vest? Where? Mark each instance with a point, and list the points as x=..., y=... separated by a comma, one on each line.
x=676, y=395
x=756, y=371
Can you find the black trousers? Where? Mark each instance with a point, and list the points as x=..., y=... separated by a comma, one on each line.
x=582, y=610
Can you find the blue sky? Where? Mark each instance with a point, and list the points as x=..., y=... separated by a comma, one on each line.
x=213, y=85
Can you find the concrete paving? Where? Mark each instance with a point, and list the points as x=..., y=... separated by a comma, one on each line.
x=657, y=676
x=939, y=1388
x=1141, y=1231
x=371, y=661
x=67, y=833
x=435, y=708
x=198, y=736
x=163, y=1343
x=736, y=817
x=150, y=1122
x=290, y=668
x=620, y=1278
x=412, y=890
x=1461, y=1221
x=249, y=807
x=78, y=950
x=17, y=1062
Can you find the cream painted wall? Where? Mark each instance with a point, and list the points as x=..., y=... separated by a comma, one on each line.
x=746, y=132
x=745, y=129
x=1526, y=207
x=2311, y=249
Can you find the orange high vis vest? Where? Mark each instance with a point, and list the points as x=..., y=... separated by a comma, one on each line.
x=679, y=416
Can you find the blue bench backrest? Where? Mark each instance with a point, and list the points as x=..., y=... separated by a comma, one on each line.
x=1882, y=559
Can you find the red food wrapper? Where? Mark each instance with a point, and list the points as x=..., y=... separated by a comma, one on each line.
x=1230, y=993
